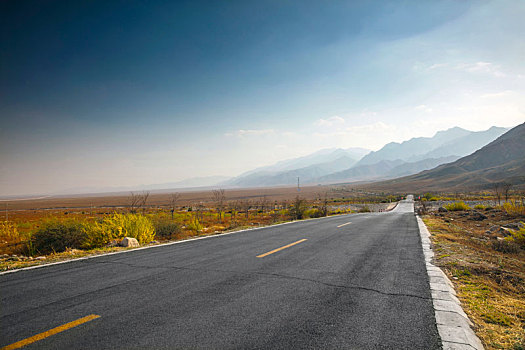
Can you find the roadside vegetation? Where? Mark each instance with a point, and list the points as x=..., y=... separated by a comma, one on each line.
x=482, y=250
x=31, y=237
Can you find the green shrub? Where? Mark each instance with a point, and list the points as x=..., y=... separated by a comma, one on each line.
x=100, y=233
x=506, y=246
x=313, y=213
x=457, y=206
x=518, y=237
x=56, y=236
x=479, y=207
x=364, y=209
x=165, y=228
x=298, y=209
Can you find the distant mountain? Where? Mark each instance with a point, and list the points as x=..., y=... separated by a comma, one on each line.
x=502, y=160
x=208, y=181
x=363, y=172
x=385, y=169
x=289, y=177
x=415, y=167
x=205, y=181
x=452, y=142
x=321, y=156
x=309, y=167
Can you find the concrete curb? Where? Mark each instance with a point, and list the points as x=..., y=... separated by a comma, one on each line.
x=453, y=324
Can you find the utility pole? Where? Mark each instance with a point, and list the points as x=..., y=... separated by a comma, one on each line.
x=6, y=215
x=298, y=188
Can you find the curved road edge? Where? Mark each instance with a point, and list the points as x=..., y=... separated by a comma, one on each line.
x=453, y=324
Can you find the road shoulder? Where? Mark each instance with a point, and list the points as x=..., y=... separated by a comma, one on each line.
x=453, y=325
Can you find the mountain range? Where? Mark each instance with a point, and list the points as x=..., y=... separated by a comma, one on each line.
x=446, y=150
x=502, y=160
x=353, y=165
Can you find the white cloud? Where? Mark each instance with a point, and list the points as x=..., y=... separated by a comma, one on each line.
x=437, y=65
x=498, y=94
x=482, y=67
x=423, y=108
x=329, y=122
x=251, y=132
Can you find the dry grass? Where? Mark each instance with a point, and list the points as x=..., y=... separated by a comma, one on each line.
x=490, y=284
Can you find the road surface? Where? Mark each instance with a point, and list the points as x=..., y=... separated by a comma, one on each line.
x=353, y=281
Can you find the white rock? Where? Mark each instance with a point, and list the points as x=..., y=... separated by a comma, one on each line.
x=129, y=242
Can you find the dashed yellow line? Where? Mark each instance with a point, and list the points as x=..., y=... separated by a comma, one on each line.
x=50, y=332
x=348, y=223
x=278, y=249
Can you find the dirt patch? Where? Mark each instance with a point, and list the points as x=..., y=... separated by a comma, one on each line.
x=487, y=272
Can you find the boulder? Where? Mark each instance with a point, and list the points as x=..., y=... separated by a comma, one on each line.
x=505, y=231
x=514, y=226
x=442, y=210
x=129, y=242
x=477, y=216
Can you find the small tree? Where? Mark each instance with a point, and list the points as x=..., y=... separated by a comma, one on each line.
x=263, y=204
x=497, y=188
x=323, y=203
x=174, y=198
x=219, y=197
x=246, y=205
x=506, y=190
x=137, y=201
x=298, y=208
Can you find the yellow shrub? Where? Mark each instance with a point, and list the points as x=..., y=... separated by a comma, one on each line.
x=118, y=226
x=514, y=208
x=518, y=237
x=457, y=206
x=8, y=232
x=194, y=225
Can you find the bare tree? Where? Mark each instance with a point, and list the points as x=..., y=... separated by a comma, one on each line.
x=497, y=191
x=199, y=209
x=324, y=203
x=246, y=205
x=219, y=197
x=137, y=201
x=298, y=208
x=235, y=208
x=174, y=198
x=263, y=204
x=506, y=189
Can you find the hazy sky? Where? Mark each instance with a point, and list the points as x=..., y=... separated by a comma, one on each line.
x=119, y=93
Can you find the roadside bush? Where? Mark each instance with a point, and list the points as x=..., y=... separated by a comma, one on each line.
x=364, y=209
x=56, y=236
x=518, y=237
x=506, y=246
x=100, y=233
x=8, y=232
x=457, y=206
x=10, y=238
x=166, y=228
x=313, y=213
x=298, y=209
x=194, y=225
x=514, y=208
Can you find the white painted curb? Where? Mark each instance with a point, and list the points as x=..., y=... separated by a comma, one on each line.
x=453, y=324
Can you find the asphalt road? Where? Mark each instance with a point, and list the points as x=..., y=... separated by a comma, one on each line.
x=356, y=282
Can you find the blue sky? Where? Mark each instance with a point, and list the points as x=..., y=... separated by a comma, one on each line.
x=121, y=93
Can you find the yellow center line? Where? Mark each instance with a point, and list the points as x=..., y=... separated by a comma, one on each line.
x=348, y=223
x=278, y=249
x=49, y=333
